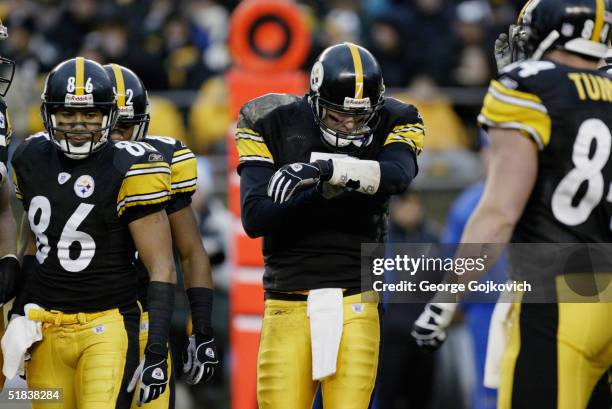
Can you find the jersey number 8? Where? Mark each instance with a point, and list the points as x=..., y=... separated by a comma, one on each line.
x=587, y=168
x=69, y=236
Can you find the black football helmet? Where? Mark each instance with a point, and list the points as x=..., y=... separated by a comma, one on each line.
x=7, y=67
x=79, y=83
x=578, y=26
x=347, y=79
x=132, y=100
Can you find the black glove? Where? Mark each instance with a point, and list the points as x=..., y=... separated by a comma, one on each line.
x=152, y=374
x=9, y=274
x=294, y=177
x=200, y=358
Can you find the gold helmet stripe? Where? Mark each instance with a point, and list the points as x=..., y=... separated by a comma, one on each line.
x=358, y=70
x=120, y=85
x=600, y=10
x=80, y=74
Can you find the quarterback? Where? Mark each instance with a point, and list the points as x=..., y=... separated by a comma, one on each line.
x=548, y=116
x=90, y=204
x=316, y=174
x=200, y=355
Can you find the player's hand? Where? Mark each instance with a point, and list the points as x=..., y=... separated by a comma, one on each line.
x=200, y=358
x=294, y=177
x=503, y=51
x=151, y=374
x=429, y=330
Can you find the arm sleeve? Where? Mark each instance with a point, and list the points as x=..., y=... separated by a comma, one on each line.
x=398, y=166
x=260, y=215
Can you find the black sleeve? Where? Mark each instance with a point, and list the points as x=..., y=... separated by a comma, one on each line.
x=398, y=166
x=260, y=215
x=178, y=202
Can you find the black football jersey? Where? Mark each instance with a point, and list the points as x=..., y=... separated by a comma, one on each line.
x=323, y=248
x=184, y=179
x=79, y=211
x=568, y=113
x=5, y=138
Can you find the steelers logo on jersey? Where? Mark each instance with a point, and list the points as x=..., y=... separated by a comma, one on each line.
x=84, y=186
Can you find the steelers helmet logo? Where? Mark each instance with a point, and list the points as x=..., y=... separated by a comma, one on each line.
x=84, y=186
x=316, y=76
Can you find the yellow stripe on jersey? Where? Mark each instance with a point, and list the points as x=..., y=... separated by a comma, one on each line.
x=18, y=194
x=144, y=186
x=600, y=9
x=504, y=108
x=80, y=76
x=411, y=134
x=148, y=165
x=251, y=147
x=120, y=85
x=358, y=70
x=514, y=93
x=184, y=171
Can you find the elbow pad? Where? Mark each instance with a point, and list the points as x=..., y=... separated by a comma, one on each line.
x=355, y=174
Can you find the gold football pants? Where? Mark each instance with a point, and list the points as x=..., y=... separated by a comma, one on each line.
x=557, y=357
x=166, y=400
x=91, y=357
x=284, y=367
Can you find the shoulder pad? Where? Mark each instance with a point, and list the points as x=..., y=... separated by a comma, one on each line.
x=128, y=153
x=260, y=107
x=402, y=110
x=41, y=134
x=521, y=74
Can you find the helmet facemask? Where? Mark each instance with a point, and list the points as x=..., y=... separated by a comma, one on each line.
x=7, y=67
x=138, y=122
x=366, y=120
x=71, y=150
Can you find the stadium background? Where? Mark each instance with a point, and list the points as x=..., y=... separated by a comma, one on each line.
x=436, y=54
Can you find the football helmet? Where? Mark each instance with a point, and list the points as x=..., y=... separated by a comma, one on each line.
x=578, y=26
x=79, y=83
x=132, y=100
x=7, y=67
x=347, y=79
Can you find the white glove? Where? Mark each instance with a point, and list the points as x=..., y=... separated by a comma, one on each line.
x=429, y=330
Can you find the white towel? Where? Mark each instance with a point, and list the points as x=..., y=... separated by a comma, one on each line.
x=499, y=332
x=20, y=334
x=325, y=310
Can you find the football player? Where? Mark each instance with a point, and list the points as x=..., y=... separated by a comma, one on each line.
x=91, y=203
x=549, y=119
x=200, y=351
x=9, y=266
x=316, y=174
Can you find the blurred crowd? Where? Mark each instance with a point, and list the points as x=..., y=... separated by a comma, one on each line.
x=182, y=45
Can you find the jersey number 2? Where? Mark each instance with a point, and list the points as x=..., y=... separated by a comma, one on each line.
x=587, y=168
x=69, y=236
